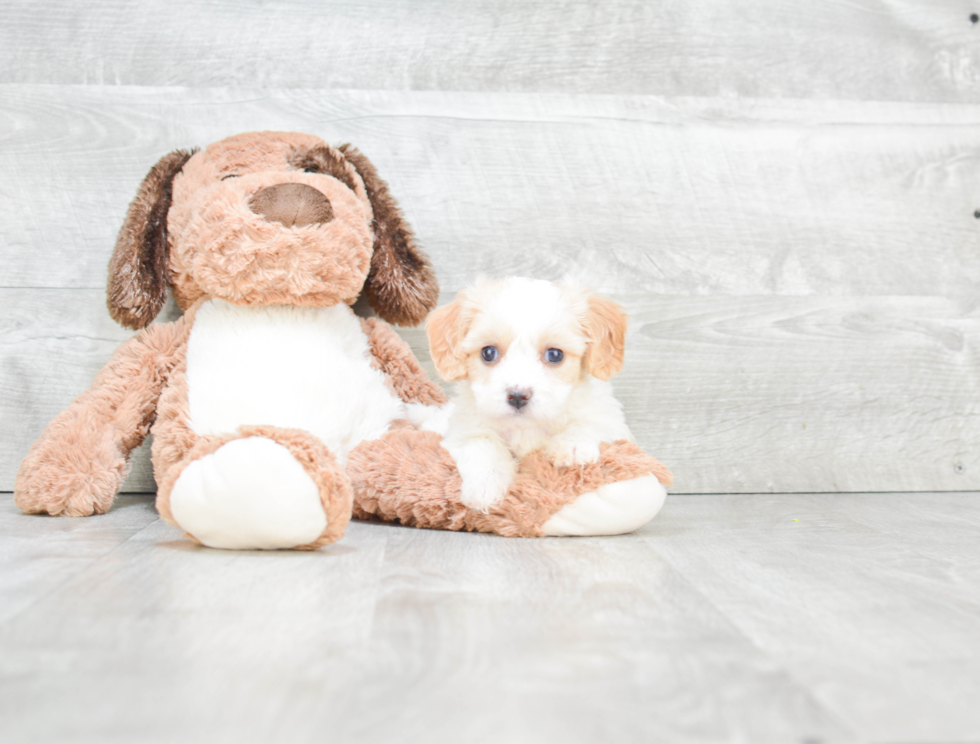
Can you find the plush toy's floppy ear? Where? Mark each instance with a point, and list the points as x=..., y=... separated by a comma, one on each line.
x=138, y=269
x=446, y=329
x=401, y=286
x=605, y=325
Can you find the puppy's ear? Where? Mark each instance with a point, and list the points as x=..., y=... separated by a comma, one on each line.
x=446, y=328
x=401, y=286
x=138, y=269
x=605, y=325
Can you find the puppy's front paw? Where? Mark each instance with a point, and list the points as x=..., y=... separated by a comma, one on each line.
x=485, y=487
x=486, y=468
x=564, y=452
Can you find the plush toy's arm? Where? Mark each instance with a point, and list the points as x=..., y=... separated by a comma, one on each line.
x=394, y=357
x=79, y=462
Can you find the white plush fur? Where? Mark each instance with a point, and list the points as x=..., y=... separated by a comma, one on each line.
x=251, y=493
x=292, y=367
x=569, y=413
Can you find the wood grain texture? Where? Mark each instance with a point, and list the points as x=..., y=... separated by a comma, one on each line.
x=908, y=50
x=726, y=619
x=852, y=594
x=39, y=556
x=736, y=395
x=572, y=640
x=790, y=394
x=681, y=197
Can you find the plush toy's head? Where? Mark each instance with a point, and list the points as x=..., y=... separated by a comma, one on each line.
x=266, y=218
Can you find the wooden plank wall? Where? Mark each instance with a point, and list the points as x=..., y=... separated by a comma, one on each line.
x=783, y=194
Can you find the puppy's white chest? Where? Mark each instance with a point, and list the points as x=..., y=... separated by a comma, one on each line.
x=521, y=441
x=292, y=367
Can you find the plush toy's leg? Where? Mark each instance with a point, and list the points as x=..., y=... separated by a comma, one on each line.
x=262, y=488
x=407, y=477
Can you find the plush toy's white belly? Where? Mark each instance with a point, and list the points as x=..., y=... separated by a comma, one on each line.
x=292, y=367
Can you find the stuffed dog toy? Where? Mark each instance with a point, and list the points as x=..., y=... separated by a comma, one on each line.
x=276, y=412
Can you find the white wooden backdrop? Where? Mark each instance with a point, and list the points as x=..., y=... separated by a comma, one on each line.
x=784, y=194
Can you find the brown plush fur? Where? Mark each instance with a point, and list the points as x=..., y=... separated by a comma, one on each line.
x=222, y=248
x=401, y=286
x=80, y=461
x=407, y=477
x=402, y=370
x=323, y=159
x=139, y=270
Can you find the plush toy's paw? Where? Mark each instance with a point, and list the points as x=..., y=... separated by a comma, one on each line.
x=75, y=480
x=611, y=509
x=568, y=451
x=252, y=493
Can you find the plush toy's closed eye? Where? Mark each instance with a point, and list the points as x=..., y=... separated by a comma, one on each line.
x=325, y=160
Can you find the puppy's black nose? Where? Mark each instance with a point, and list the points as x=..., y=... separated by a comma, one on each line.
x=518, y=398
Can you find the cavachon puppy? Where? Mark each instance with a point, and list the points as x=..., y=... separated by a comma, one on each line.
x=533, y=360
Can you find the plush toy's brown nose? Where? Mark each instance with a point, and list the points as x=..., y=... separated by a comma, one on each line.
x=292, y=204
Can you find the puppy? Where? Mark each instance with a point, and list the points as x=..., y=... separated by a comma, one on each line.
x=533, y=360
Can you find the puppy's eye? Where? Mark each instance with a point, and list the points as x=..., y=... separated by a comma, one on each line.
x=489, y=354
x=230, y=175
x=311, y=170
x=554, y=356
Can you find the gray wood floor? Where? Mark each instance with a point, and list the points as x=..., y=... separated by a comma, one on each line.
x=771, y=618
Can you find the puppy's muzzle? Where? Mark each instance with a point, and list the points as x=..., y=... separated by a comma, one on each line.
x=292, y=204
x=517, y=398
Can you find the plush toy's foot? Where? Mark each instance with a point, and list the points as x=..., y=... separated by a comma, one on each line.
x=406, y=476
x=274, y=490
x=251, y=493
x=612, y=509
